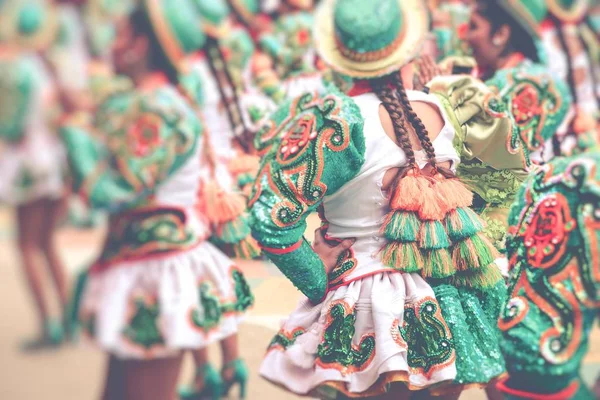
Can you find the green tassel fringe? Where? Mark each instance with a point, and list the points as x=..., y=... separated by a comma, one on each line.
x=405, y=257
x=402, y=226
x=485, y=278
x=473, y=253
x=438, y=264
x=246, y=249
x=463, y=223
x=245, y=179
x=433, y=236
x=233, y=231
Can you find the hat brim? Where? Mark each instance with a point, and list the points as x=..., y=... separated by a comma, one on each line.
x=40, y=40
x=416, y=26
x=573, y=14
x=522, y=18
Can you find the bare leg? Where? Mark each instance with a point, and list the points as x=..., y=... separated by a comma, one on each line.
x=493, y=393
x=29, y=217
x=142, y=379
x=151, y=379
x=230, y=352
x=113, y=383
x=53, y=213
x=200, y=360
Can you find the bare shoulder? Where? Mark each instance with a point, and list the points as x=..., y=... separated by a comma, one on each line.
x=431, y=117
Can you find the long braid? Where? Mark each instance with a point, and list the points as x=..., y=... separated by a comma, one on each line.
x=414, y=120
x=419, y=127
x=394, y=109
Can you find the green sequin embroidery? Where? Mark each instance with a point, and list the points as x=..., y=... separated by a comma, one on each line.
x=143, y=328
x=211, y=306
x=336, y=350
x=214, y=308
x=427, y=337
x=243, y=294
x=285, y=339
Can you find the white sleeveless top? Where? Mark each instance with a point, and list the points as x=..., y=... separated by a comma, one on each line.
x=359, y=207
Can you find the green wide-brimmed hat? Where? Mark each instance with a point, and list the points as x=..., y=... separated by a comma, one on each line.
x=369, y=39
x=569, y=10
x=28, y=24
x=529, y=14
x=178, y=28
x=215, y=16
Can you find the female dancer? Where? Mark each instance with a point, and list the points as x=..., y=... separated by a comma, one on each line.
x=494, y=171
x=401, y=288
x=159, y=286
x=31, y=156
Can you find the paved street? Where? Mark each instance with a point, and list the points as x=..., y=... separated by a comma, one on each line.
x=76, y=372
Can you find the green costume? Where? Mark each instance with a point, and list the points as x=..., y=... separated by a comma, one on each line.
x=553, y=251
x=415, y=293
x=158, y=286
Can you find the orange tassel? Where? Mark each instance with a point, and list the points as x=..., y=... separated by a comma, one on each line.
x=408, y=194
x=453, y=193
x=221, y=206
x=244, y=163
x=431, y=209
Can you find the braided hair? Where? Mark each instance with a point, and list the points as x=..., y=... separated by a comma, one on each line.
x=390, y=101
x=418, y=126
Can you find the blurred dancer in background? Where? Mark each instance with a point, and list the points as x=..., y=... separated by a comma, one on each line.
x=159, y=286
x=552, y=245
x=31, y=155
x=495, y=167
x=570, y=37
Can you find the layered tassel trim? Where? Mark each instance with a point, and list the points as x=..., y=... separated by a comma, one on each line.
x=432, y=230
x=244, y=168
x=226, y=212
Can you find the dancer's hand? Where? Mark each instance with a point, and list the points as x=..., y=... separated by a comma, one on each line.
x=330, y=254
x=427, y=70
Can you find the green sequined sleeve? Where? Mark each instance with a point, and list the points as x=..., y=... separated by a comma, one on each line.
x=131, y=146
x=311, y=146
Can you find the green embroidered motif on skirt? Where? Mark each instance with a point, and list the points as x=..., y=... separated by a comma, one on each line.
x=427, y=337
x=337, y=351
x=243, y=294
x=285, y=339
x=142, y=328
x=214, y=308
x=211, y=307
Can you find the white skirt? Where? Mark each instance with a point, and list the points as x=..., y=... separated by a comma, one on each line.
x=155, y=307
x=359, y=339
x=31, y=169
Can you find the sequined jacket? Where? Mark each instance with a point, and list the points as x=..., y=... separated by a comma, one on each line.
x=311, y=147
x=138, y=158
x=552, y=246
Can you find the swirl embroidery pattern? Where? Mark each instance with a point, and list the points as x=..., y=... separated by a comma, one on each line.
x=554, y=258
x=294, y=173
